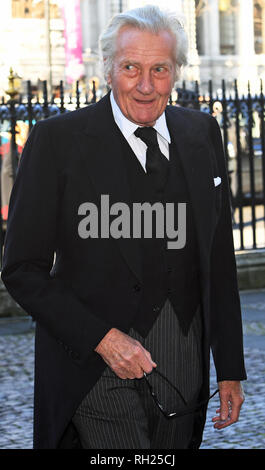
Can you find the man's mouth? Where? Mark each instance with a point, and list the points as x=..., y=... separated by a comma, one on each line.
x=144, y=102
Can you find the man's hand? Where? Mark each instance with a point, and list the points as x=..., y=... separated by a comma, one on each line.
x=125, y=355
x=231, y=399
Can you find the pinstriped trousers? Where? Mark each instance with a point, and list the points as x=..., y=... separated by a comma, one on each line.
x=121, y=414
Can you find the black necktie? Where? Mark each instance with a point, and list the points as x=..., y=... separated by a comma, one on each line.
x=156, y=162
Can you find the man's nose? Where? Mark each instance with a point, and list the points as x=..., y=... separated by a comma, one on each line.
x=145, y=84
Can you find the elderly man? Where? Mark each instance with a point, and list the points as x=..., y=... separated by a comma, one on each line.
x=124, y=320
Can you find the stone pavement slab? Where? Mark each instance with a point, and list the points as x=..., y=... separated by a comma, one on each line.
x=16, y=379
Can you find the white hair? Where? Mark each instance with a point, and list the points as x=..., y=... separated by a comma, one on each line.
x=147, y=18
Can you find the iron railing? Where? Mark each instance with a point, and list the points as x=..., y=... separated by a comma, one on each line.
x=241, y=119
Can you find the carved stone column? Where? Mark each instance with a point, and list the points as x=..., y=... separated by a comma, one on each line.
x=211, y=28
x=246, y=50
x=192, y=71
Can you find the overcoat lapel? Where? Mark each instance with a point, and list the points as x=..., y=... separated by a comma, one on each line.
x=100, y=145
x=197, y=166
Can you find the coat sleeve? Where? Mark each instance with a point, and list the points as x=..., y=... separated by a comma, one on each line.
x=225, y=313
x=30, y=245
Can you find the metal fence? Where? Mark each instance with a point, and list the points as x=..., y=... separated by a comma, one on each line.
x=241, y=119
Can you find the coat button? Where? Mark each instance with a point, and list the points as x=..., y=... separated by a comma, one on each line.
x=74, y=355
x=136, y=287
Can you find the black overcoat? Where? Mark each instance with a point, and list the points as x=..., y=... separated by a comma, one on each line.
x=76, y=289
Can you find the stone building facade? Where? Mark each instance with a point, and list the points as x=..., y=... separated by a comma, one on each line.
x=226, y=39
x=230, y=40
x=23, y=41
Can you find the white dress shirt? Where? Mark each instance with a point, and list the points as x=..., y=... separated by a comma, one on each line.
x=128, y=128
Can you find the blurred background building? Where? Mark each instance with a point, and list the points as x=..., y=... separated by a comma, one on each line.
x=58, y=39
x=230, y=37
x=53, y=41
x=26, y=42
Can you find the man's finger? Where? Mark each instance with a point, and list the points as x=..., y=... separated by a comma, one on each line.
x=147, y=363
x=231, y=400
x=232, y=417
x=224, y=411
x=235, y=411
x=147, y=353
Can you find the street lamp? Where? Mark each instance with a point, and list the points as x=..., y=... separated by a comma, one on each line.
x=224, y=5
x=14, y=83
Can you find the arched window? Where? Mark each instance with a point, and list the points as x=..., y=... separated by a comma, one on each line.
x=33, y=9
x=259, y=26
x=227, y=21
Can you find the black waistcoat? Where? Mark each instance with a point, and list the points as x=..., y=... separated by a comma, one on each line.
x=167, y=273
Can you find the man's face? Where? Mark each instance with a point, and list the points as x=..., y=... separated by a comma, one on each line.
x=143, y=74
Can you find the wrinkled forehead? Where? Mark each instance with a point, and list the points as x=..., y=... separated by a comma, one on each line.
x=145, y=45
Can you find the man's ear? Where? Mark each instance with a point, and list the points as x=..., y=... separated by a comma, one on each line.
x=109, y=81
x=108, y=77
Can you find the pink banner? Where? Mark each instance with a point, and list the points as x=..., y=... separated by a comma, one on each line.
x=73, y=40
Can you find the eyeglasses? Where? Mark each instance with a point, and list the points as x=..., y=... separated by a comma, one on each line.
x=185, y=411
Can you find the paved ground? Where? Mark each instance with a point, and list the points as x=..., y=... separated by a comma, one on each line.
x=16, y=378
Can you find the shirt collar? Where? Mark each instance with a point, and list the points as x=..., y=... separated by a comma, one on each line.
x=128, y=127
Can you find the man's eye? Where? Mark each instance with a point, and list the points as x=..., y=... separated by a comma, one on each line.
x=160, y=69
x=129, y=67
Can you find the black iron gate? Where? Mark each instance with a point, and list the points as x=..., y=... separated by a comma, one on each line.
x=241, y=119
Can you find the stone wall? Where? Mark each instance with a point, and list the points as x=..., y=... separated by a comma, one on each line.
x=251, y=269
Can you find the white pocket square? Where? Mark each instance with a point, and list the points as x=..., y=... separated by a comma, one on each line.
x=217, y=181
